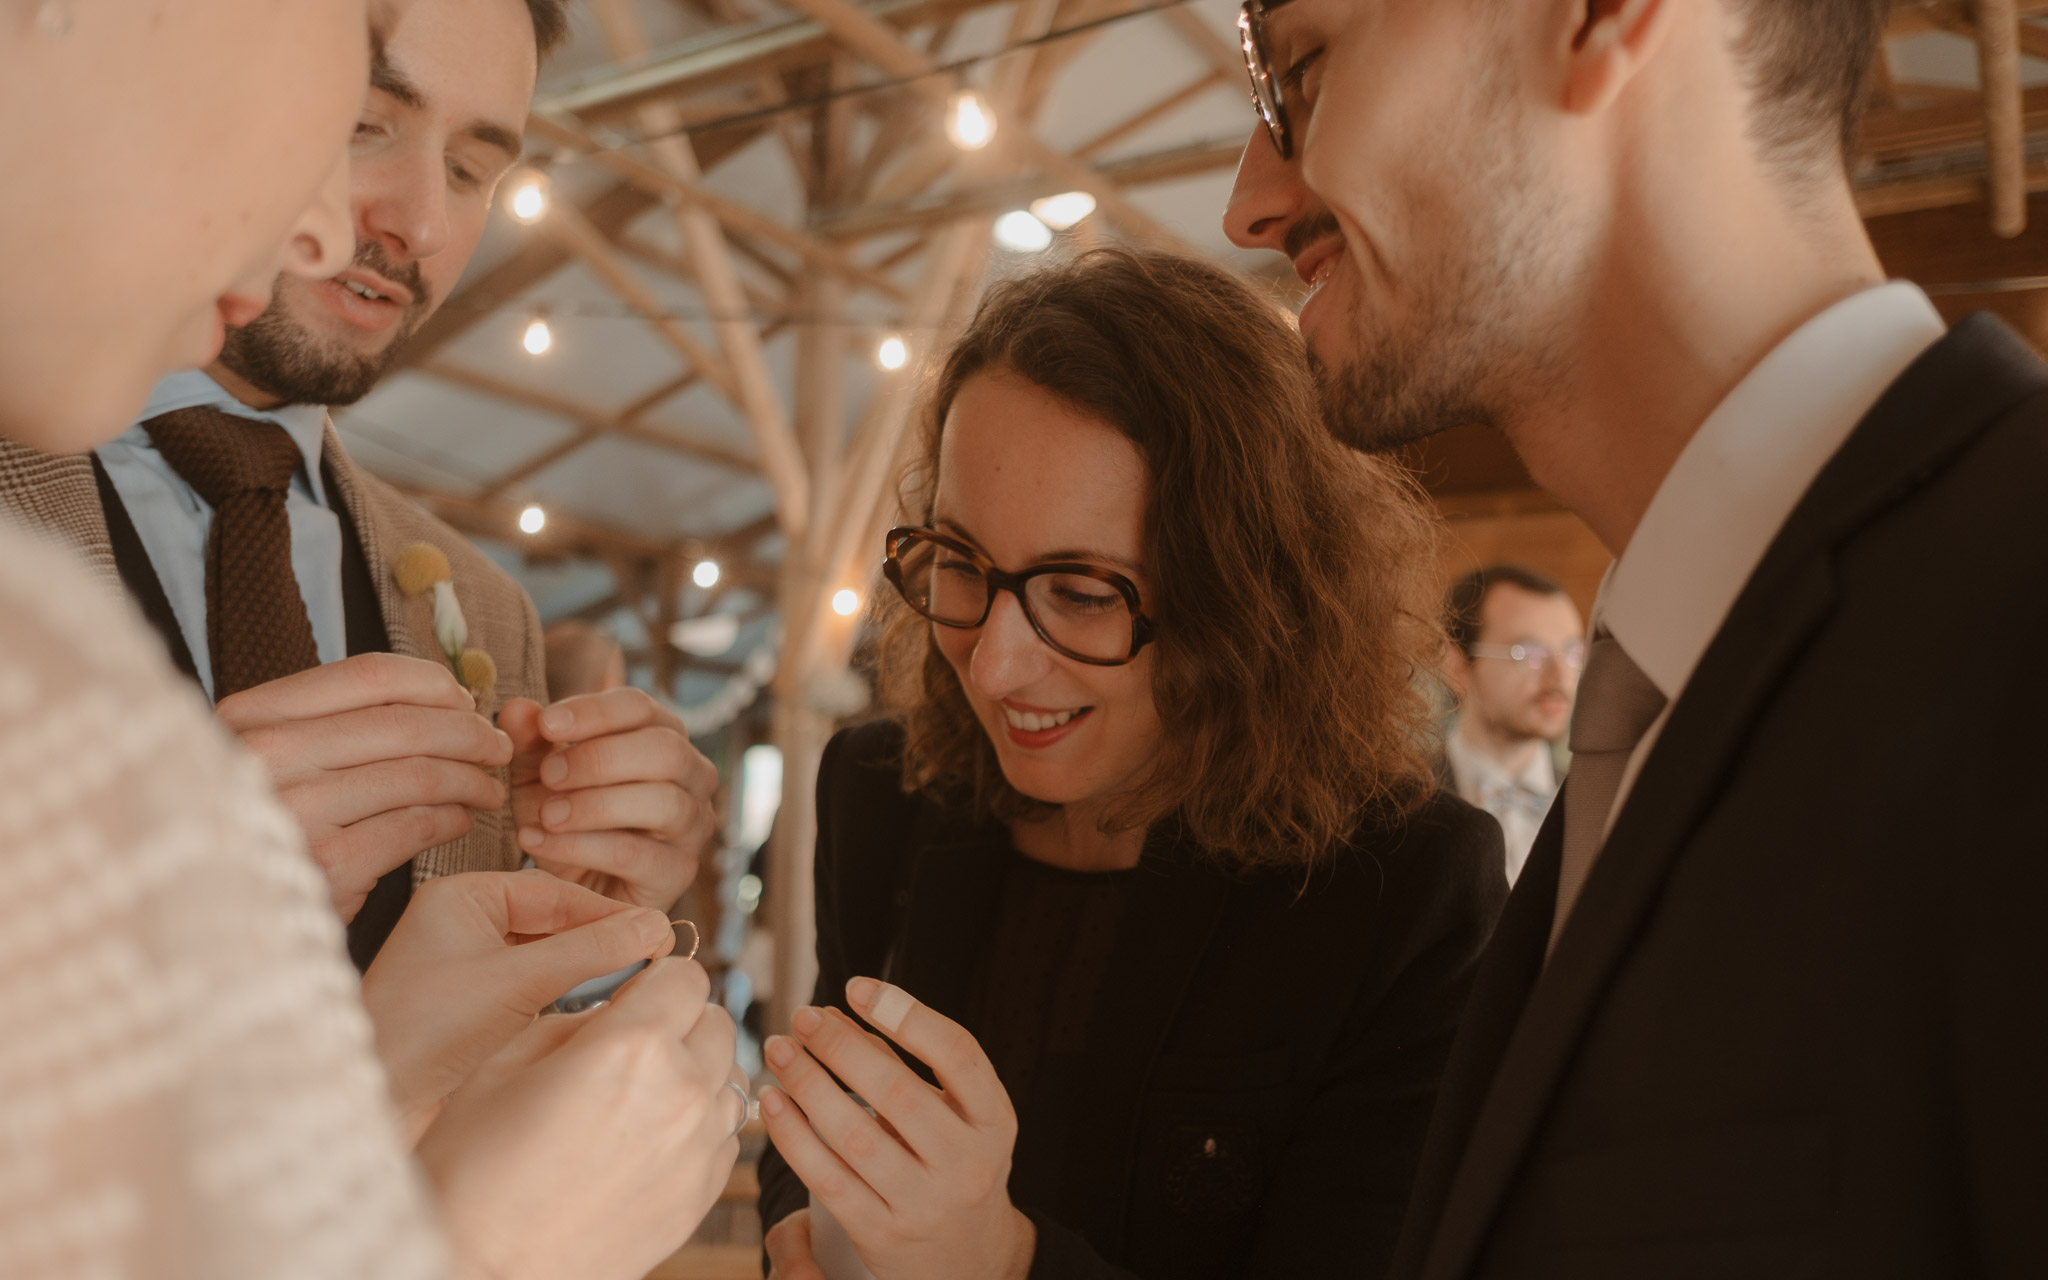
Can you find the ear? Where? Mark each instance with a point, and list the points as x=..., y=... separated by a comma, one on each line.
x=1611, y=41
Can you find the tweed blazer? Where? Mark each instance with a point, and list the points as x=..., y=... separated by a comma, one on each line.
x=59, y=496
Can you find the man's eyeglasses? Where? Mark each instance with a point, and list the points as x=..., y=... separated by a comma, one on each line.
x=1089, y=613
x=1536, y=657
x=1258, y=62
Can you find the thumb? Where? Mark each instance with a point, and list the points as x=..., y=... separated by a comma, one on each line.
x=549, y=966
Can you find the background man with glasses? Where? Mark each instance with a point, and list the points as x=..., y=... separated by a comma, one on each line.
x=1516, y=648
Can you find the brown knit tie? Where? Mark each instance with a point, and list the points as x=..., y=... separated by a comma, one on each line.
x=256, y=624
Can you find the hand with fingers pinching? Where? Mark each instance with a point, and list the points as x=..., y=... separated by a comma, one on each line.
x=379, y=757
x=922, y=1185
x=609, y=794
x=472, y=962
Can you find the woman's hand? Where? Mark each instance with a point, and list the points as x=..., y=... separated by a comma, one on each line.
x=472, y=961
x=789, y=1249
x=924, y=1191
x=595, y=1142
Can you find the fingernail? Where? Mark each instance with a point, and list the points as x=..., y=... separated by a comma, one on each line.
x=505, y=741
x=860, y=992
x=530, y=837
x=771, y=1102
x=806, y=1021
x=554, y=770
x=780, y=1053
x=555, y=812
x=651, y=927
x=558, y=720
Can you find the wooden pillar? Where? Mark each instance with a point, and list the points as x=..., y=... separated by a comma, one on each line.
x=1998, y=64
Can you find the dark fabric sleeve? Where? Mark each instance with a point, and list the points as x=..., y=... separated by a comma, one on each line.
x=1336, y=1203
x=855, y=881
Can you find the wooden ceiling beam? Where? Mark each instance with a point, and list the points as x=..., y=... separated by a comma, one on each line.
x=1998, y=65
x=739, y=336
x=1009, y=193
x=562, y=535
x=865, y=34
x=730, y=213
x=586, y=418
x=1151, y=115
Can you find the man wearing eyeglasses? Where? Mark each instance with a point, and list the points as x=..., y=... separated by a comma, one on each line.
x=1767, y=1000
x=1516, y=648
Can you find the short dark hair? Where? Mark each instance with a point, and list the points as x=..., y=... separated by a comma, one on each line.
x=550, y=23
x=1467, y=597
x=1809, y=65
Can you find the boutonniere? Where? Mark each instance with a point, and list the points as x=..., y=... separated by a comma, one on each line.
x=422, y=568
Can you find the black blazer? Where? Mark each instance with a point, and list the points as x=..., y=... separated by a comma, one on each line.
x=1798, y=1022
x=1265, y=1050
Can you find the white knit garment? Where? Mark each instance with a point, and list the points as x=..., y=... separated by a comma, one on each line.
x=187, y=1087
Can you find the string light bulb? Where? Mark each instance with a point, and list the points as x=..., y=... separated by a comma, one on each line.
x=1064, y=210
x=970, y=125
x=705, y=574
x=538, y=338
x=893, y=353
x=532, y=520
x=1020, y=232
x=845, y=602
x=529, y=203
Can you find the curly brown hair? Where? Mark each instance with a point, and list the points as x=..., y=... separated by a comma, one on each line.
x=1296, y=581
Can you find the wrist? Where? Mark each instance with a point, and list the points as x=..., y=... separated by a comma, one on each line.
x=1023, y=1246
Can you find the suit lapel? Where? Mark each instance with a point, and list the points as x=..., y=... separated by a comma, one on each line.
x=58, y=496
x=408, y=624
x=1967, y=381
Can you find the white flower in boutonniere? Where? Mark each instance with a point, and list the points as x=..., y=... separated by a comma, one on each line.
x=422, y=568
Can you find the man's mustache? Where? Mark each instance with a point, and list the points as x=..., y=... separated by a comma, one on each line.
x=1307, y=231
x=372, y=257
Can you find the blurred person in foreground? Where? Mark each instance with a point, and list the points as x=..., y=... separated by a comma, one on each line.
x=1766, y=1000
x=187, y=1081
x=292, y=585
x=1174, y=923
x=1516, y=647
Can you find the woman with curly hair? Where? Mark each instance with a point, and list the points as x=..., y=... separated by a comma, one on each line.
x=1145, y=874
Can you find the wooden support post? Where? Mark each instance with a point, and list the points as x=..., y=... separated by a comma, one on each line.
x=1998, y=63
x=752, y=386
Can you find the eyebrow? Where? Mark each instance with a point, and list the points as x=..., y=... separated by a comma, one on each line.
x=1053, y=557
x=387, y=77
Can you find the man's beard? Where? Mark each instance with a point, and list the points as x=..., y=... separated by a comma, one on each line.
x=276, y=354
x=1480, y=347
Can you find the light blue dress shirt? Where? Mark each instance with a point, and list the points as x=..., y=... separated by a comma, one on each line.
x=173, y=521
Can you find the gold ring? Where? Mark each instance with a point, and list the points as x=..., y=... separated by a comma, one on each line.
x=696, y=938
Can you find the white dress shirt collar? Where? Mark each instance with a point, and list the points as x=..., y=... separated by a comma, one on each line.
x=306, y=424
x=1744, y=471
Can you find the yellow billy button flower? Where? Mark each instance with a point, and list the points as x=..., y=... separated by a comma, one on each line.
x=422, y=568
x=478, y=672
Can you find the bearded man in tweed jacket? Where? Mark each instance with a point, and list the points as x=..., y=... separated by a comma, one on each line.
x=396, y=772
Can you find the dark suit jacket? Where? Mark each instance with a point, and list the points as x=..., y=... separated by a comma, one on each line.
x=1798, y=1022
x=1263, y=1053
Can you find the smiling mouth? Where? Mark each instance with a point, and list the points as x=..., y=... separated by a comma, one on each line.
x=1040, y=721
x=362, y=290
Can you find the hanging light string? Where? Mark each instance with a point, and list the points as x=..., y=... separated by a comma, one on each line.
x=946, y=69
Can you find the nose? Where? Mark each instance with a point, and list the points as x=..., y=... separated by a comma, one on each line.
x=323, y=241
x=1268, y=196
x=1009, y=655
x=402, y=200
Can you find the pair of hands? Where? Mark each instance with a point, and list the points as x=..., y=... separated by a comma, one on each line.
x=922, y=1186
x=586, y=1145
x=381, y=757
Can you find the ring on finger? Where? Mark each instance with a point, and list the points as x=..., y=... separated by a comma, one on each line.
x=747, y=1105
